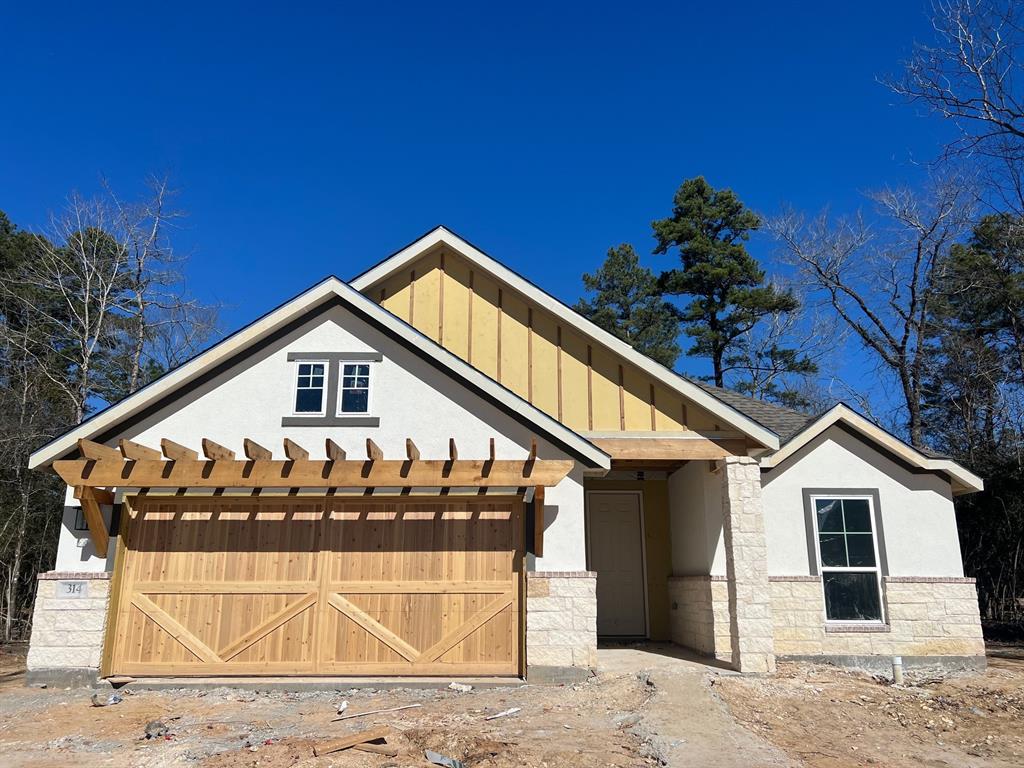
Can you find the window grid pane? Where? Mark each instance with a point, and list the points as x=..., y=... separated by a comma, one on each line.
x=309, y=388
x=355, y=388
x=846, y=547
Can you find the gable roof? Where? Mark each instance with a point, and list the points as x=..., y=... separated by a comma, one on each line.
x=697, y=394
x=330, y=289
x=961, y=479
x=785, y=422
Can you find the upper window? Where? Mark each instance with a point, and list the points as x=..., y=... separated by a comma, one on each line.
x=354, y=395
x=848, y=556
x=309, y=387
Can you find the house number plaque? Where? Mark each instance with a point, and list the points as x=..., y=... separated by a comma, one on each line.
x=71, y=590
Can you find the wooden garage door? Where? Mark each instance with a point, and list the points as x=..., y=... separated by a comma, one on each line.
x=318, y=586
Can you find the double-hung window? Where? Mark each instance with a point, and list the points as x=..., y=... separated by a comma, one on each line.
x=354, y=394
x=847, y=547
x=310, y=388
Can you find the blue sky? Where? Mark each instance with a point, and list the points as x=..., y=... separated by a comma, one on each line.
x=316, y=138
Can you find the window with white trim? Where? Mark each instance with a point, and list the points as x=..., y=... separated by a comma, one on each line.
x=354, y=393
x=848, y=558
x=310, y=387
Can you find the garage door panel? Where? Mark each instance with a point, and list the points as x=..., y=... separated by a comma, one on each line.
x=325, y=586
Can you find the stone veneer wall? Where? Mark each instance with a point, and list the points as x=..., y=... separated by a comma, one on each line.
x=561, y=621
x=926, y=617
x=699, y=614
x=67, y=634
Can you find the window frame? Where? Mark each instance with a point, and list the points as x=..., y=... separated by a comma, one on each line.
x=877, y=569
x=324, y=390
x=341, y=388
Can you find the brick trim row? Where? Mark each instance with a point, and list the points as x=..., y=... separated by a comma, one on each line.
x=797, y=578
x=76, y=575
x=929, y=579
x=699, y=577
x=561, y=574
x=861, y=629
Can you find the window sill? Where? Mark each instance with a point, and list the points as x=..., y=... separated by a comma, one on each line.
x=843, y=628
x=331, y=421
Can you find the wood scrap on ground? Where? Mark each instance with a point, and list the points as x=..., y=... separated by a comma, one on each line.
x=378, y=749
x=375, y=712
x=347, y=742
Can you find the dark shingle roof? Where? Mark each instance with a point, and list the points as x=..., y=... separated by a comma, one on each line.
x=785, y=422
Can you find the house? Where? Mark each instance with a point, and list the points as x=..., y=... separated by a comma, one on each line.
x=439, y=469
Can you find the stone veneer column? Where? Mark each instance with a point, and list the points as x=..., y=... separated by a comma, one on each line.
x=746, y=567
x=67, y=633
x=561, y=625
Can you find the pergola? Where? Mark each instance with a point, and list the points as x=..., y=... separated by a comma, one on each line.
x=102, y=469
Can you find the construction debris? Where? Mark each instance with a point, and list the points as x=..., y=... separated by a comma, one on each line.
x=99, y=700
x=378, y=749
x=155, y=729
x=376, y=712
x=447, y=762
x=460, y=687
x=506, y=713
x=373, y=734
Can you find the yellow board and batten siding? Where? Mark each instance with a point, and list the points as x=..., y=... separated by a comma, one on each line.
x=577, y=381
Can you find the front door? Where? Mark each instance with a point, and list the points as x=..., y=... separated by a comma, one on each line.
x=615, y=550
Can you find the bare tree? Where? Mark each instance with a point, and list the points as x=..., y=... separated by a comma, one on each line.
x=881, y=281
x=973, y=75
x=74, y=287
x=781, y=356
x=163, y=324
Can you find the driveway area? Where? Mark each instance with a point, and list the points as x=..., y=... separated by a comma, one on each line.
x=649, y=705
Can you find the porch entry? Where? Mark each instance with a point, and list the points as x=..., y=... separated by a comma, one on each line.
x=616, y=551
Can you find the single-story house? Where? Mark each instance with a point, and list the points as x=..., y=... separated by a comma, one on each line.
x=439, y=469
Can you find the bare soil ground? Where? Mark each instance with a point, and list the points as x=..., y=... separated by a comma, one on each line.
x=815, y=716
x=584, y=725
x=827, y=718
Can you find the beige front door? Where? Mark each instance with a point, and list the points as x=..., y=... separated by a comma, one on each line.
x=615, y=550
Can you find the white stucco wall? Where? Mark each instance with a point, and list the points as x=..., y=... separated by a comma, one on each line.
x=918, y=520
x=695, y=520
x=412, y=398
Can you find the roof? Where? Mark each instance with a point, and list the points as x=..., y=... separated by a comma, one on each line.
x=785, y=422
x=697, y=394
x=329, y=289
x=961, y=479
x=796, y=429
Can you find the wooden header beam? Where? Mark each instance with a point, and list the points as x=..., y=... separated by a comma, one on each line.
x=308, y=473
x=140, y=466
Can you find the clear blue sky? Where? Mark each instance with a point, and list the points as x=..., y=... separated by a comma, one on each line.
x=316, y=138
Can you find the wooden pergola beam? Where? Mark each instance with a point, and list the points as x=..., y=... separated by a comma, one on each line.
x=93, y=450
x=255, y=452
x=134, y=452
x=94, y=517
x=177, y=452
x=411, y=451
x=373, y=451
x=216, y=452
x=295, y=473
x=294, y=451
x=334, y=451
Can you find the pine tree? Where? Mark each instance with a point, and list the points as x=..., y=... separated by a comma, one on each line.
x=727, y=289
x=627, y=304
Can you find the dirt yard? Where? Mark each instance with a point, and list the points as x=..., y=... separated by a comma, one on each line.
x=826, y=718
x=815, y=716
